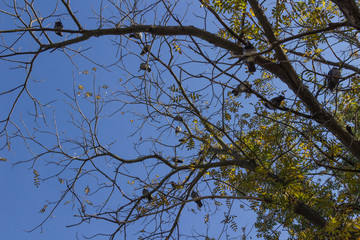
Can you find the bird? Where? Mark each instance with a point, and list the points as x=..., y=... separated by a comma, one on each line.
x=177, y=160
x=145, y=67
x=136, y=35
x=332, y=78
x=177, y=130
x=348, y=128
x=275, y=102
x=249, y=49
x=174, y=185
x=179, y=118
x=58, y=26
x=183, y=140
x=242, y=87
x=196, y=195
x=146, y=194
x=145, y=49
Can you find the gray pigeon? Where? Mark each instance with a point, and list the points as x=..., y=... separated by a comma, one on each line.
x=332, y=79
x=196, y=195
x=136, y=35
x=249, y=49
x=241, y=88
x=275, y=102
x=58, y=26
x=177, y=130
x=145, y=49
x=146, y=194
x=145, y=67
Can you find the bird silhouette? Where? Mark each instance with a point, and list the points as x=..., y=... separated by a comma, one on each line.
x=348, y=128
x=147, y=195
x=249, y=49
x=332, y=79
x=145, y=49
x=179, y=118
x=275, y=102
x=58, y=26
x=242, y=87
x=196, y=195
x=145, y=67
x=174, y=185
x=177, y=160
x=183, y=140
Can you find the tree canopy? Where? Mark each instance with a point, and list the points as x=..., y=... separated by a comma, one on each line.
x=147, y=113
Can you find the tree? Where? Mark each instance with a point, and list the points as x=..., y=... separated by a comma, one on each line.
x=295, y=166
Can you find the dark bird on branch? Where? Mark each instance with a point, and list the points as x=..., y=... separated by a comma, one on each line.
x=147, y=195
x=196, y=195
x=332, y=79
x=179, y=118
x=177, y=160
x=348, y=128
x=59, y=26
x=145, y=67
x=275, y=102
x=145, y=49
x=242, y=87
x=183, y=140
x=174, y=185
x=249, y=49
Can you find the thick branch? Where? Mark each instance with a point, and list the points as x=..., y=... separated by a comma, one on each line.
x=285, y=71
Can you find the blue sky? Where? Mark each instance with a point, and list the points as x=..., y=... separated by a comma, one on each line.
x=53, y=74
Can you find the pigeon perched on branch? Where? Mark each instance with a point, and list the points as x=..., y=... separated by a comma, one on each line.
x=348, y=128
x=145, y=67
x=136, y=35
x=183, y=140
x=275, y=102
x=177, y=130
x=177, y=160
x=249, y=49
x=58, y=26
x=174, y=185
x=145, y=49
x=196, y=195
x=242, y=87
x=147, y=195
x=332, y=79
x=179, y=118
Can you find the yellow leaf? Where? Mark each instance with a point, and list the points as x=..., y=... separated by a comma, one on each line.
x=94, y=69
x=98, y=97
x=252, y=12
x=86, y=72
x=43, y=209
x=80, y=87
x=88, y=94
